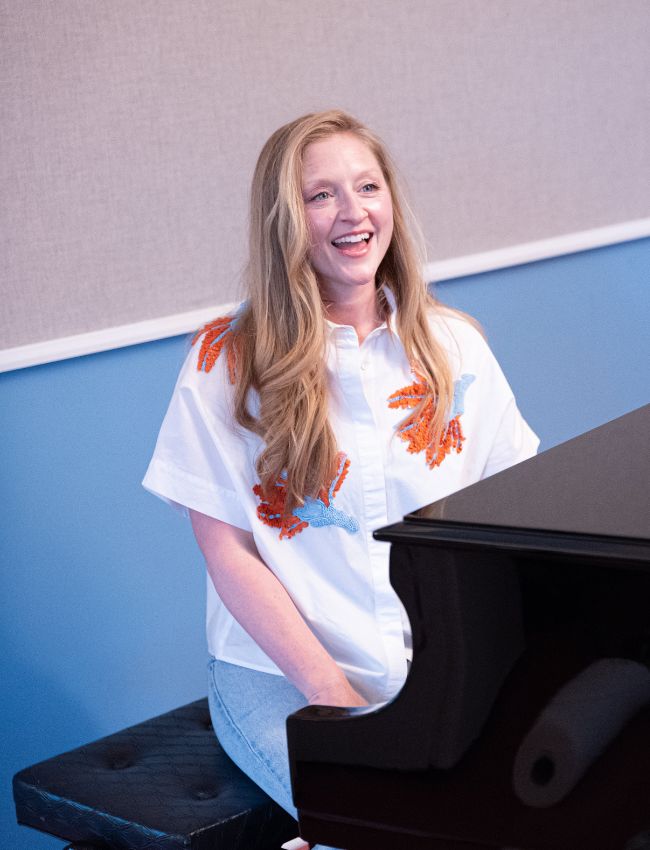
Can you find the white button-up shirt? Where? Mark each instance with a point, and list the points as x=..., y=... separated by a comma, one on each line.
x=325, y=555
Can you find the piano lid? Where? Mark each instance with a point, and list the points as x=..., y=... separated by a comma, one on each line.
x=595, y=484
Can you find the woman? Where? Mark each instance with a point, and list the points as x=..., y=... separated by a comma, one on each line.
x=338, y=398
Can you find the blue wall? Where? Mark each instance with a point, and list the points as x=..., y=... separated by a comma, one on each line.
x=570, y=333
x=102, y=585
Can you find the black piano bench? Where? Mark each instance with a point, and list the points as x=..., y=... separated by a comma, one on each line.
x=161, y=785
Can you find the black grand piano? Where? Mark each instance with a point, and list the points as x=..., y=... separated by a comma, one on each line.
x=514, y=588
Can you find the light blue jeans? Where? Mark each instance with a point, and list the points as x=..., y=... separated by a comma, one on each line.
x=249, y=711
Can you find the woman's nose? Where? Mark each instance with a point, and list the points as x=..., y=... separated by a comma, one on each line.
x=351, y=207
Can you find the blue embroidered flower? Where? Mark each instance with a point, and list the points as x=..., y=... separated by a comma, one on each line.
x=317, y=512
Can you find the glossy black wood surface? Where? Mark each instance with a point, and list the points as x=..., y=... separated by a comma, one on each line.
x=571, y=527
x=595, y=484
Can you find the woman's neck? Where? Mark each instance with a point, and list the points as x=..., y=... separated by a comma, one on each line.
x=361, y=310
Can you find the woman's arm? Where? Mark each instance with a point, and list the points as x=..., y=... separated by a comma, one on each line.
x=262, y=606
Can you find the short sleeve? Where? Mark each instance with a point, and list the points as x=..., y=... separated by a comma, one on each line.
x=511, y=438
x=514, y=442
x=196, y=453
x=500, y=435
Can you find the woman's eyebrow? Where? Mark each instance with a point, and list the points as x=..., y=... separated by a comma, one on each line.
x=318, y=181
x=373, y=173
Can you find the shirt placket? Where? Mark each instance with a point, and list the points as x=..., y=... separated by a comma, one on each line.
x=356, y=373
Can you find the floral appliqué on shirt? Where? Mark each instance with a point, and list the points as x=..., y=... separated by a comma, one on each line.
x=415, y=429
x=213, y=341
x=317, y=512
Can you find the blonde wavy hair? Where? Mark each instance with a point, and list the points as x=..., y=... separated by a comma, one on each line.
x=280, y=337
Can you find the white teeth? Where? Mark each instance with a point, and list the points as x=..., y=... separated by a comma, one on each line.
x=356, y=237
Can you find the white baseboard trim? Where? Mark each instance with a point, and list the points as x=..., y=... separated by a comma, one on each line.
x=106, y=339
x=543, y=249
x=63, y=348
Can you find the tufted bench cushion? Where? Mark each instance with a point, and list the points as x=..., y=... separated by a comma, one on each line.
x=165, y=783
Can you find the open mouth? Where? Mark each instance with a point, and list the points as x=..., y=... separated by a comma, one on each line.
x=352, y=241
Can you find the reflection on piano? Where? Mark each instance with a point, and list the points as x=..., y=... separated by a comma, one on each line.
x=513, y=587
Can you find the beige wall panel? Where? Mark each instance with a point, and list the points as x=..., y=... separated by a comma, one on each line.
x=129, y=132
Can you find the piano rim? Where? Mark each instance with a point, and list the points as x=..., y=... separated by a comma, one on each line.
x=631, y=551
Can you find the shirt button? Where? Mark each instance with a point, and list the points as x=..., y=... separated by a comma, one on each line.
x=364, y=365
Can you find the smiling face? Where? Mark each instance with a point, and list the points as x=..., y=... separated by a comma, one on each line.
x=349, y=213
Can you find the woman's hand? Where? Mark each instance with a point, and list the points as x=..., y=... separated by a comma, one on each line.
x=339, y=693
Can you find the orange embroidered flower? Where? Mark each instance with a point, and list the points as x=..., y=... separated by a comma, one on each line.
x=415, y=429
x=317, y=512
x=214, y=337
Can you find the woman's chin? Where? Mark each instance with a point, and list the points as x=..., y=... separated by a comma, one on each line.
x=343, y=287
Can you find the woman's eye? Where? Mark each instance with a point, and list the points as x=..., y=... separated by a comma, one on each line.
x=321, y=196
x=370, y=187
